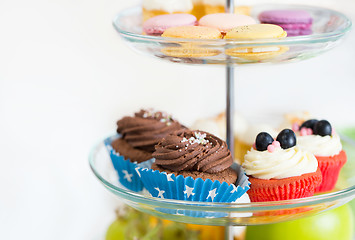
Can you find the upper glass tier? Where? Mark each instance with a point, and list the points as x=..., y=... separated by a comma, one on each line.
x=329, y=27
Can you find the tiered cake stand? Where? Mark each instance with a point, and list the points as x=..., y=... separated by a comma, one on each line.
x=329, y=28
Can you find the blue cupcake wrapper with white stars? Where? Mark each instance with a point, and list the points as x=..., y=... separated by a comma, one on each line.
x=126, y=170
x=163, y=185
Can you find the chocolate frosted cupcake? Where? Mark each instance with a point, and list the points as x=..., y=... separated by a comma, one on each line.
x=194, y=166
x=139, y=134
x=135, y=142
x=195, y=154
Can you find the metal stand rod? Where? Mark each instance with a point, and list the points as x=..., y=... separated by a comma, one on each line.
x=228, y=232
x=229, y=6
x=230, y=107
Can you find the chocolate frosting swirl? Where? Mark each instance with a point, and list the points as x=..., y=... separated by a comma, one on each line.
x=193, y=151
x=147, y=128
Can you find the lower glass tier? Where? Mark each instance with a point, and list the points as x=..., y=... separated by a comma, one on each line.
x=224, y=214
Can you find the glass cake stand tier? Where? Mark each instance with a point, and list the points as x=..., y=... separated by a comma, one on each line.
x=223, y=214
x=329, y=27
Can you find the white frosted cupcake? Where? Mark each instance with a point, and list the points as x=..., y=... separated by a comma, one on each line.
x=244, y=141
x=217, y=6
x=320, y=139
x=279, y=170
x=152, y=8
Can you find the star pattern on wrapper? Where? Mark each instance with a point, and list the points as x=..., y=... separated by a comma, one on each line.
x=234, y=188
x=139, y=174
x=109, y=148
x=212, y=194
x=188, y=191
x=161, y=192
x=168, y=177
x=179, y=212
x=127, y=176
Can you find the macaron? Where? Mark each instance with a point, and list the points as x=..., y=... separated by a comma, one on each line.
x=294, y=22
x=255, y=32
x=194, y=32
x=191, y=49
x=225, y=21
x=157, y=25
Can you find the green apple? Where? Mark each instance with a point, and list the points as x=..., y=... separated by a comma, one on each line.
x=352, y=205
x=346, y=178
x=330, y=225
x=132, y=224
x=116, y=230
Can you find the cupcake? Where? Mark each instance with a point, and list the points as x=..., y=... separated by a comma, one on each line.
x=245, y=140
x=152, y=8
x=280, y=170
x=296, y=117
x=217, y=124
x=142, y=132
x=194, y=166
x=135, y=143
x=198, y=8
x=218, y=6
x=320, y=139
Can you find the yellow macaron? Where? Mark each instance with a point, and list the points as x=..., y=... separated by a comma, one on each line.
x=256, y=31
x=191, y=49
x=194, y=32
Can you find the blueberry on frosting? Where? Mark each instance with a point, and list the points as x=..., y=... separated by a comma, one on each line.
x=309, y=124
x=263, y=140
x=287, y=138
x=315, y=127
x=322, y=128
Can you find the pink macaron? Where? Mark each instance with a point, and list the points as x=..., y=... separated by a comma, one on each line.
x=294, y=22
x=157, y=25
x=226, y=21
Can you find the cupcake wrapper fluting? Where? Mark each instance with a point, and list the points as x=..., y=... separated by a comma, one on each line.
x=330, y=168
x=163, y=185
x=126, y=170
x=284, y=189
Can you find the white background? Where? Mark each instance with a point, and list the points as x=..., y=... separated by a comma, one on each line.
x=66, y=77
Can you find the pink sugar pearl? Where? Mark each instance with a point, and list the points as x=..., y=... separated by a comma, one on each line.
x=271, y=148
x=303, y=132
x=276, y=144
x=295, y=127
